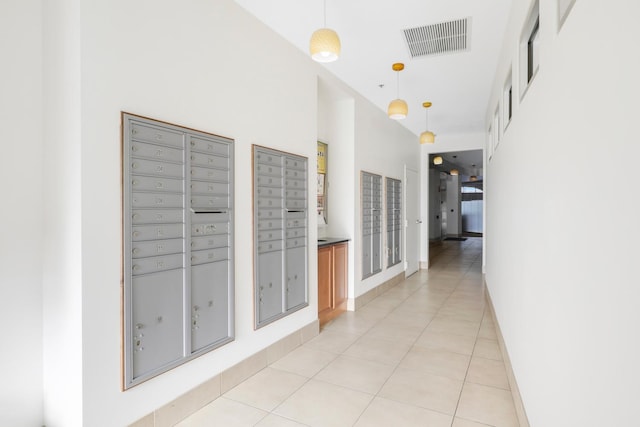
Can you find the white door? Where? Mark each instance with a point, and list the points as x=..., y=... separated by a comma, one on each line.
x=412, y=220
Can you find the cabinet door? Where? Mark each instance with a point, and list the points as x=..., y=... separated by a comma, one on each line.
x=296, y=277
x=325, y=279
x=157, y=321
x=269, y=292
x=209, y=303
x=340, y=266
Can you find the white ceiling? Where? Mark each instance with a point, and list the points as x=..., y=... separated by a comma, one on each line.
x=371, y=33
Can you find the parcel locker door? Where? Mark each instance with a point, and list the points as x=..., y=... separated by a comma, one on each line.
x=376, y=259
x=296, y=285
x=390, y=248
x=269, y=290
x=366, y=255
x=157, y=326
x=209, y=303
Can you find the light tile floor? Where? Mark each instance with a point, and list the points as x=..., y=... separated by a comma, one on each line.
x=425, y=353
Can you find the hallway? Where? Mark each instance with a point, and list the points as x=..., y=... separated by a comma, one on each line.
x=425, y=353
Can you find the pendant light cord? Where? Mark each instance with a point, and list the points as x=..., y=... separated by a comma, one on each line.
x=398, y=85
x=325, y=13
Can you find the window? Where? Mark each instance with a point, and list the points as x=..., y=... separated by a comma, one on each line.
x=530, y=48
x=564, y=7
x=490, y=143
x=496, y=126
x=533, y=51
x=507, y=102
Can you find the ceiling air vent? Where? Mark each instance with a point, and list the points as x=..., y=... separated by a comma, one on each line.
x=437, y=39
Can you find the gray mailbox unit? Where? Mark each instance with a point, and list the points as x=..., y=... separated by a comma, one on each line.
x=371, y=190
x=280, y=234
x=178, y=245
x=394, y=214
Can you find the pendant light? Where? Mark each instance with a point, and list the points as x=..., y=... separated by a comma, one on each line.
x=427, y=137
x=437, y=160
x=454, y=172
x=325, y=43
x=398, y=108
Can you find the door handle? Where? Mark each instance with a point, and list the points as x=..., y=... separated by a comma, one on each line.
x=418, y=221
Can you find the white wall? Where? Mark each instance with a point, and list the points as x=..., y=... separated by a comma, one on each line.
x=361, y=138
x=336, y=115
x=382, y=147
x=561, y=264
x=205, y=65
x=62, y=272
x=212, y=67
x=21, y=247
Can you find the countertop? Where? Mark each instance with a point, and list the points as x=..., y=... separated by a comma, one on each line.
x=328, y=241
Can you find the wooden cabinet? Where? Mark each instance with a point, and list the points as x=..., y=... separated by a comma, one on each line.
x=332, y=281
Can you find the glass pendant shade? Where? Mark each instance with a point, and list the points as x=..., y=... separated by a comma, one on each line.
x=454, y=172
x=324, y=45
x=427, y=137
x=398, y=109
x=437, y=160
x=473, y=178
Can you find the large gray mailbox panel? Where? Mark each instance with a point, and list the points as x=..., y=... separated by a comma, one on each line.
x=280, y=234
x=371, y=187
x=178, y=245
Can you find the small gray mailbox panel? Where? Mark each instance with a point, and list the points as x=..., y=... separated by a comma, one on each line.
x=280, y=199
x=394, y=220
x=178, y=245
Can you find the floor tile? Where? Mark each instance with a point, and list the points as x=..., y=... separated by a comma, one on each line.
x=454, y=327
x=332, y=342
x=358, y=374
x=324, y=405
x=461, y=422
x=224, y=412
x=350, y=323
x=273, y=420
x=489, y=349
x=304, y=361
x=488, y=372
x=488, y=405
x=394, y=333
x=386, y=413
x=488, y=331
x=454, y=343
x=423, y=353
x=437, y=361
x=266, y=389
x=378, y=350
x=422, y=389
